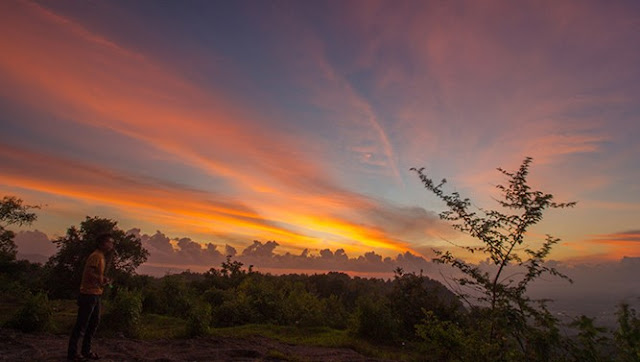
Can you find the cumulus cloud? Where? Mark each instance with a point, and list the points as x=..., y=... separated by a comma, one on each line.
x=263, y=256
x=174, y=254
x=179, y=251
x=34, y=245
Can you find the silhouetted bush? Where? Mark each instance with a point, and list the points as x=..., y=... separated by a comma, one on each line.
x=124, y=312
x=373, y=321
x=34, y=316
x=262, y=299
x=232, y=312
x=627, y=336
x=198, y=319
x=303, y=308
x=175, y=296
x=334, y=312
x=214, y=296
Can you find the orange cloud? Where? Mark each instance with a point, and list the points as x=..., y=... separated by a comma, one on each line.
x=606, y=247
x=192, y=210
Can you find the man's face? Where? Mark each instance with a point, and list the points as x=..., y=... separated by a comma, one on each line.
x=107, y=246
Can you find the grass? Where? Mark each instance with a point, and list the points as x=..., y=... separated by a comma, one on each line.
x=316, y=336
x=280, y=356
x=64, y=315
x=154, y=326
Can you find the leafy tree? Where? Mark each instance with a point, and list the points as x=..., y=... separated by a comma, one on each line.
x=12, y=212
x=589, y=338
x=514, y=319
x=373, y=320
x=35, y=315
x=176, y=296
x=445, y=340
x=65, y=267
x=124, y=313
x=412, y=294
x=627, y=336
x=303, y=308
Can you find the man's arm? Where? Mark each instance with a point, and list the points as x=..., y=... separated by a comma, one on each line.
x=95, y=275
x=95, y=271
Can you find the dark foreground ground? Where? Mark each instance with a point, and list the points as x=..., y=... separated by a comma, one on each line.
x=16, y=346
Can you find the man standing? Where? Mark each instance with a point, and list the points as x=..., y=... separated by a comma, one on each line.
x=91, y=288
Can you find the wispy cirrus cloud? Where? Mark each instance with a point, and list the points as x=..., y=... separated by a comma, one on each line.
x=106, y=86
x=308, y=116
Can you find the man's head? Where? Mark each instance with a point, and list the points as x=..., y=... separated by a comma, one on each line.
x=105, y=242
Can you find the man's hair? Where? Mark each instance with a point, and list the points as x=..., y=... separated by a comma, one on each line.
x=103, y=238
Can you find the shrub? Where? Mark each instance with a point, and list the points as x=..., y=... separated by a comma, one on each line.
x=198, y=319
x=334, y=312
x=34, y=316
x=233, y=312
x=262, y=298
x=627, y=336
x=124, y=312
x=176, y=295
x=214, y=296
x=303, y=308
x=374, y=321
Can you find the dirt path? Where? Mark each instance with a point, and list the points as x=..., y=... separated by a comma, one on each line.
x=15, y=346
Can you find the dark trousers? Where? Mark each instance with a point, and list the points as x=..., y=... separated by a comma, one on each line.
x=86, y=324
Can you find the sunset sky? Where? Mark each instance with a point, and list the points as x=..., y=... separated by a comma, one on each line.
x=226, y=122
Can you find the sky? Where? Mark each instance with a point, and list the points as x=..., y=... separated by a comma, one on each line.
x=288, y=128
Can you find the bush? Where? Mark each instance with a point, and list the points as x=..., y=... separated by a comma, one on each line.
x=214, y=296
x=374, y=321
x=303, y=308
x=124, y=312
x=198, y=319
x=627, y=336
x=176, y=295
x=233, y=312
x=262, y=298
x=334, y=312
x=34, y=316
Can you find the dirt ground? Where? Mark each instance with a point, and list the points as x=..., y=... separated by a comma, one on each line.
x=16, y=346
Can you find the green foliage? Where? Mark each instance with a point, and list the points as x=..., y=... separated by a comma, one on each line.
x=263, y=299
x=412, y=294
x=156, y=326
x=124, y=313
x=21, y=277
x=198, y=319
x=34, y=316
x=214, y=296
x=373, y=320
x=514, y=319
x=445, y=340
x=318, y=336
x=175, y=295
x=234, y=311
x=334, y=312
x=303, y=308
x=627, y=336
x=12, y=212
x=589, y=339
x=65, y=267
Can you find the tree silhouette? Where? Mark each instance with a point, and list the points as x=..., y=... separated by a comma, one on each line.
x=513, y=317
x=12, y=212
x=65, y=267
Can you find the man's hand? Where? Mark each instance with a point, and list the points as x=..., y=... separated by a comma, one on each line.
x=106, y=281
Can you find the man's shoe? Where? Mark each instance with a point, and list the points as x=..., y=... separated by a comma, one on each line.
x=90, y=355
